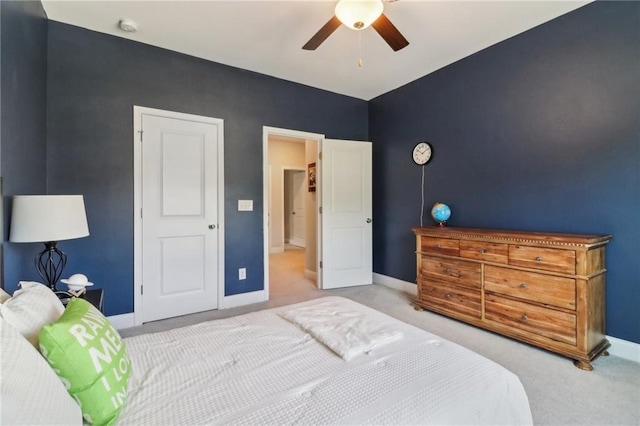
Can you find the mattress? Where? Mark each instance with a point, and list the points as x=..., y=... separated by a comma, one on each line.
x=261, y=369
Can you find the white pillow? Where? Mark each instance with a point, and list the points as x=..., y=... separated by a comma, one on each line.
x=4, y=296
x=30, y=391
x=30, y=308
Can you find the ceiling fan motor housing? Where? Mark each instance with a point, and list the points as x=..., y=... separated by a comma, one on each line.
x=358, y=14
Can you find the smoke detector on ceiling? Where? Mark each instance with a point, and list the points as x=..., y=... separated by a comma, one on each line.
x=128, y=25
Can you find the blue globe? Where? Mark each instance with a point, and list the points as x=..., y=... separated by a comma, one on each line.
x=440, y=213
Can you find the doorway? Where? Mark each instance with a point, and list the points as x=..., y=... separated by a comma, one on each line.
x=291, y=215
x=294, y=189
x=338, y=226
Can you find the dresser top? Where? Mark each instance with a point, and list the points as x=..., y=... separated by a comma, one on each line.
x=512, y=236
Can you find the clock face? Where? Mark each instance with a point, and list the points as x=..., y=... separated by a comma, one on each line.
x=422, y=153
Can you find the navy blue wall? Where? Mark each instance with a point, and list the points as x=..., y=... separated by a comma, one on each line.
x=23, y=127
x=93, y=82
x=539, y=132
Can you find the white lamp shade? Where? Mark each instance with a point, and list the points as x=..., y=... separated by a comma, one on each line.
x=358, y=14
x=44, y=218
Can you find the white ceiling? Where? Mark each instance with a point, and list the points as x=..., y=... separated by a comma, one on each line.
x=267, y=36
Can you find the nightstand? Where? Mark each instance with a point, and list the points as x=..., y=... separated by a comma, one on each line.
x=93, y=296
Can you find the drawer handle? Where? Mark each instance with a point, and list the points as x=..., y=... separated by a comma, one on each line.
x=438, y=246
x=524, y=317
x=447, y=270
x=538, y=259
x=481, y=251
x=523, y=285
x=448, y=295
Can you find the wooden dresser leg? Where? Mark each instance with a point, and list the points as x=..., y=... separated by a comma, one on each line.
x=583, y=365
x=418, y=308
x=605, y=353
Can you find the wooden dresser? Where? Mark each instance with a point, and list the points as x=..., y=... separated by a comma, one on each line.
x=544, y=289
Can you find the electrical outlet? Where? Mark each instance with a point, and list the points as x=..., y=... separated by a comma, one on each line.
x=242, y=273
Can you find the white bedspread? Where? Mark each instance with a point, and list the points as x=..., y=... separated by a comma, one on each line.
x=348, y=332
x=259, y=369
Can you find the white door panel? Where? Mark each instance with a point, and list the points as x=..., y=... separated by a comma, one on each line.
x=182, y=174
x=347, y=241
x=182, y=262
x=179, y=202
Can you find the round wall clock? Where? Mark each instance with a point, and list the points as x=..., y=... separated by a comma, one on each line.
x=422, y=153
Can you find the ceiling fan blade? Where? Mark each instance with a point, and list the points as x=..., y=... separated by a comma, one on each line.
x=324, y=32
x=389, y=33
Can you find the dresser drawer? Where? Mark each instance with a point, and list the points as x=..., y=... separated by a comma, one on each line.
x=480, y=250
x=555, y=325
x=557, y=260
x=460, y=299
x=440, y=246
x=453, y=271
x=546, y=289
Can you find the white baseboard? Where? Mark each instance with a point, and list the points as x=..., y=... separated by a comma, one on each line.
x=297, y=242
x=122, y=321
x=395, y=283
x=273, y=250
x=243, y=299
x=624, y=349
x=620, y=348
x=312, y=275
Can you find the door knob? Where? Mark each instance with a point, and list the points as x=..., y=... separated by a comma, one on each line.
x=212, y=226
x=368, y=220
x=293, y=212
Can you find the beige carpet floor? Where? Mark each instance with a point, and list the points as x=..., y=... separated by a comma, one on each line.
x=559, y=393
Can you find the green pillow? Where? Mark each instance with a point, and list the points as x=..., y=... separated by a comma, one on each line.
x=90, y=357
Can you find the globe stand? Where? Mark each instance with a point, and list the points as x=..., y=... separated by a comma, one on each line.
x=442, y=224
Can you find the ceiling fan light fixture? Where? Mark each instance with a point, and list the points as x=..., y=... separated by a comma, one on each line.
x=358, y=14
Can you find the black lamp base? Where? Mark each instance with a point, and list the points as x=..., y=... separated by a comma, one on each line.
x=50, y=263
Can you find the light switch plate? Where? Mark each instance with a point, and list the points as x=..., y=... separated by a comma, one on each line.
x=245, y=205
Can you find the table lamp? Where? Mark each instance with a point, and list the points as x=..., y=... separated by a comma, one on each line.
x=48, y=219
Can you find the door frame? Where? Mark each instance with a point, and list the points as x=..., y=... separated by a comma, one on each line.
x=276, y=131
x=138, y=111
x=285, y=169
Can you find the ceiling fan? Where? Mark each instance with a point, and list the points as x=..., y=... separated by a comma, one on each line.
x=358, y=15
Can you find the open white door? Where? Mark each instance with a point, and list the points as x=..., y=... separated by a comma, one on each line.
x=347, y=241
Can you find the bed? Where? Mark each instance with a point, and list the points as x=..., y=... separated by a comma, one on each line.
x=262, y=369
x=325, y=361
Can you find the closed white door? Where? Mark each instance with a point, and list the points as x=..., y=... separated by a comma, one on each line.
x=179, y=217
x=297, y=220
x=347, y=240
